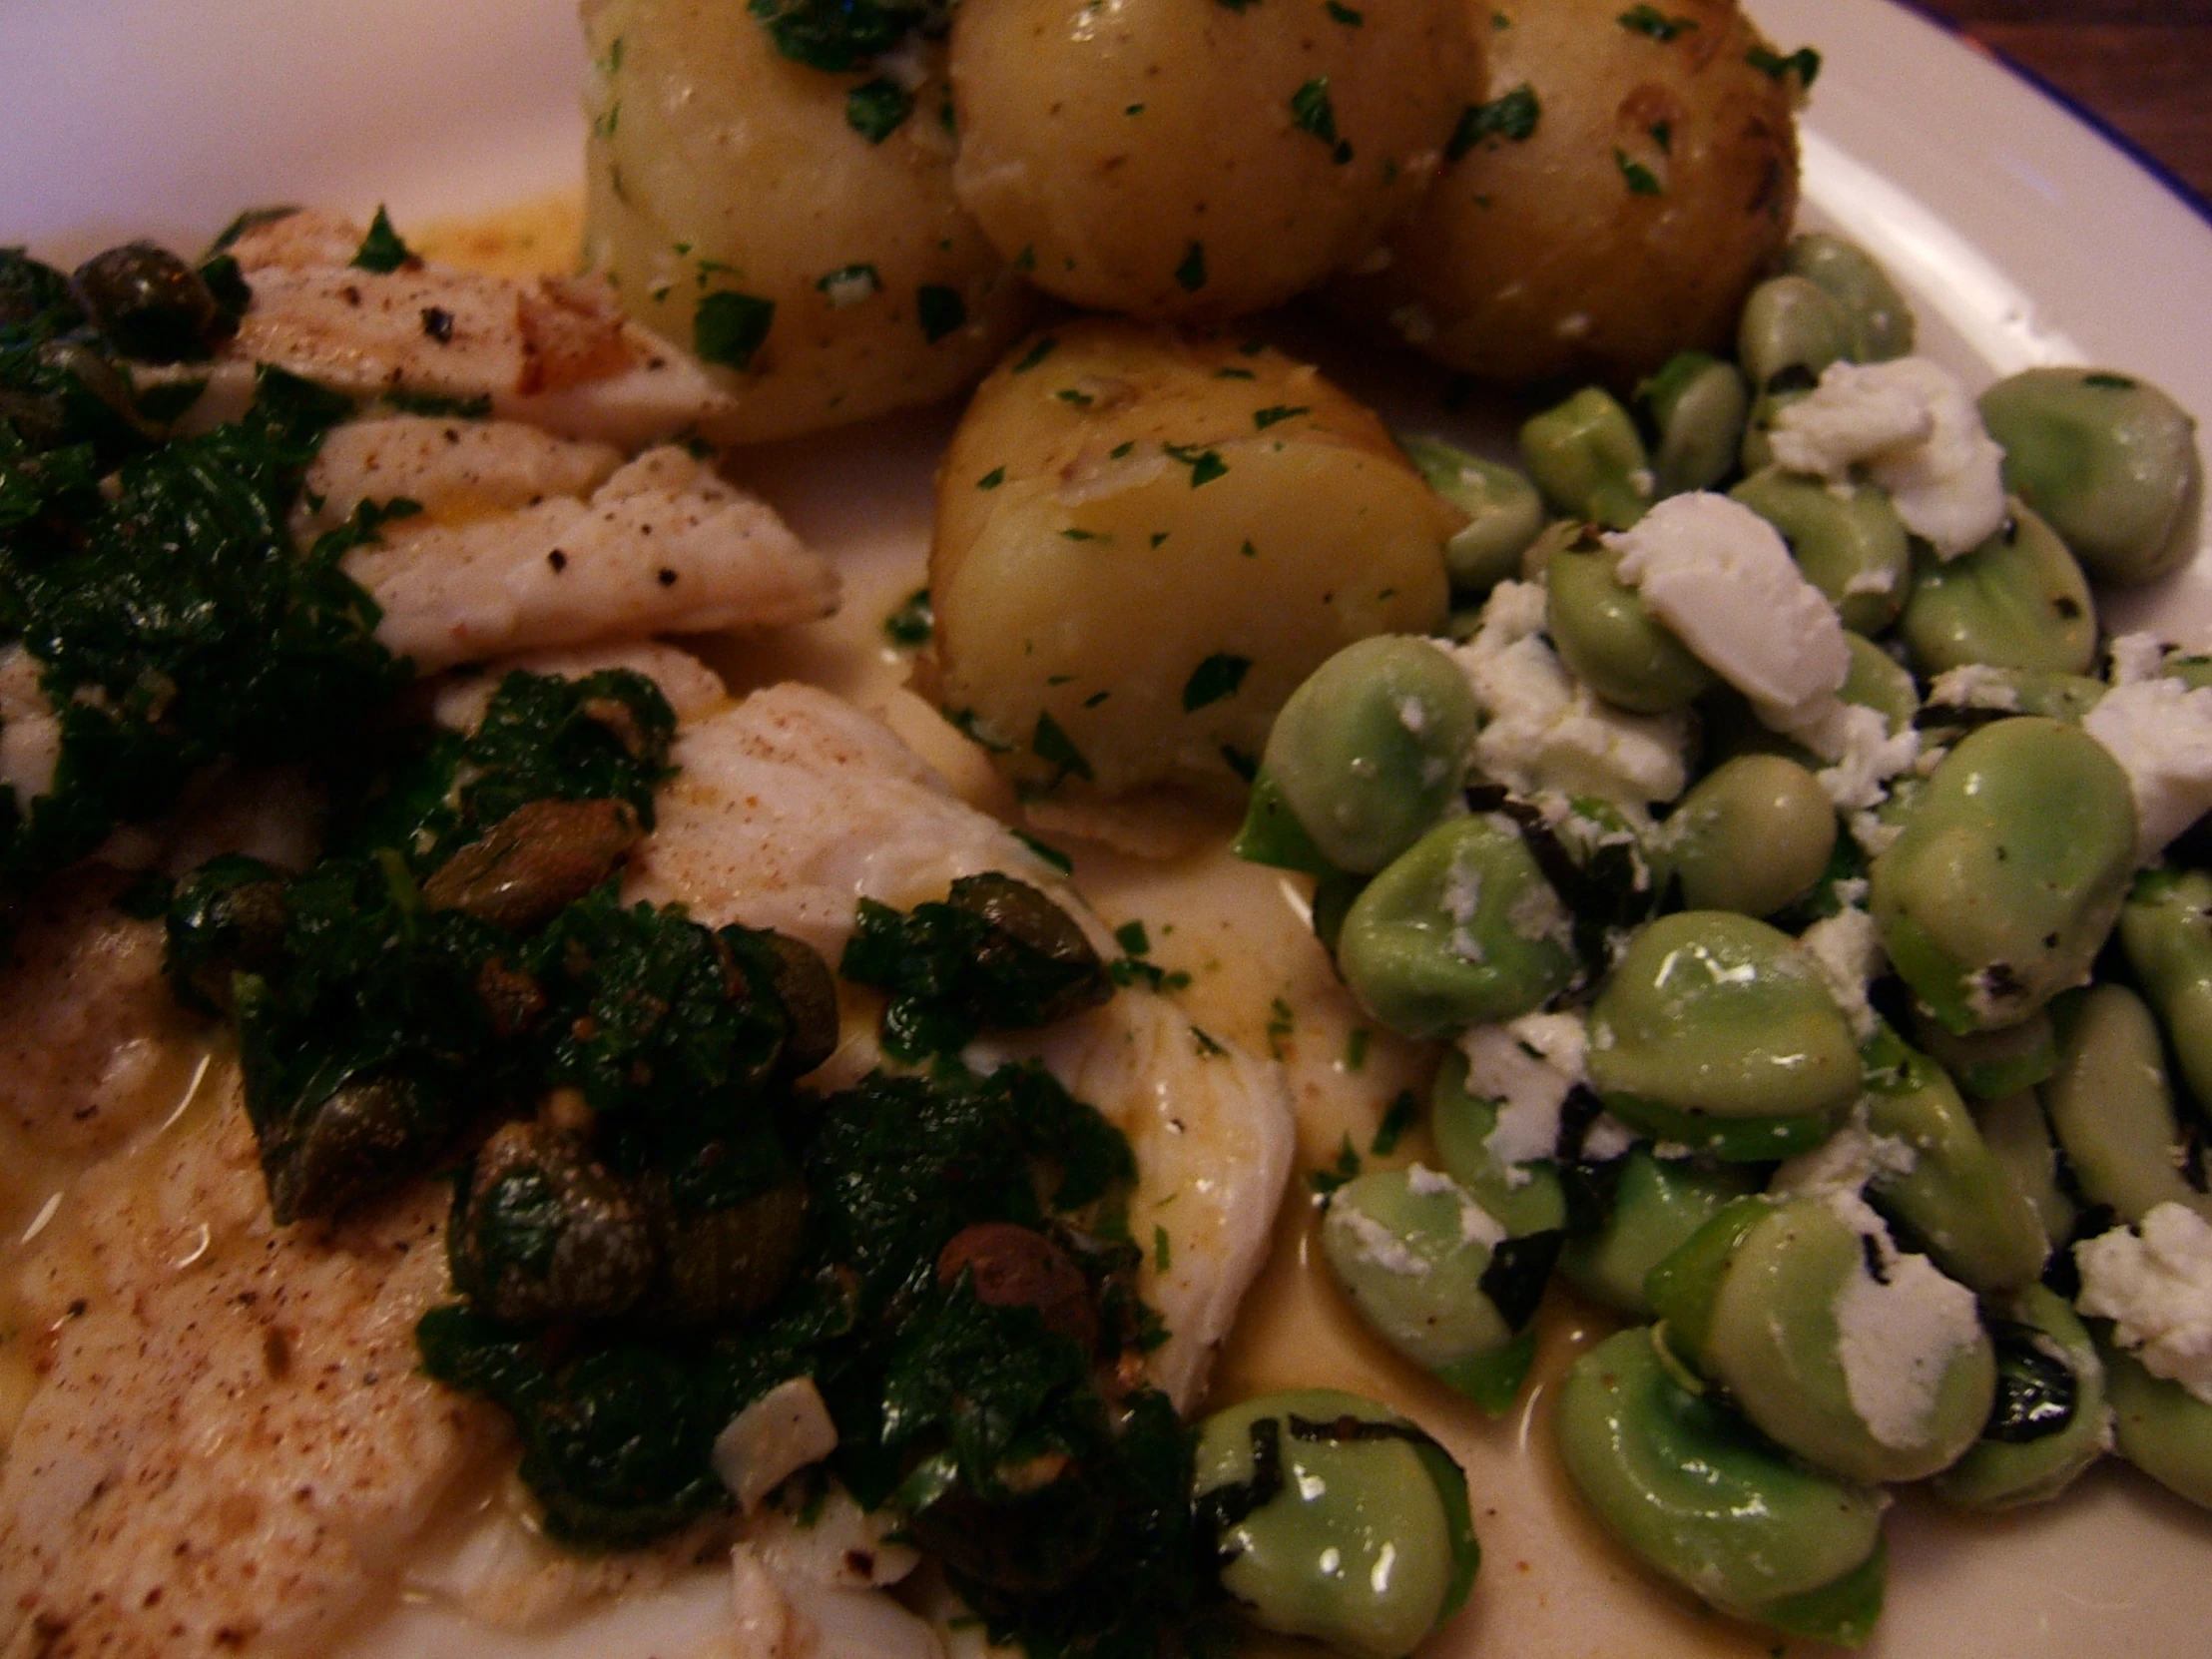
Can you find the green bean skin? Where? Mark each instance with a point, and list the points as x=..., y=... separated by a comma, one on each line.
x=2018, y=601
x=1413, y=1264
x=1589, y=461
x=2008, y=873
x=1958, y=1202
x=2159, y=1427
x=1791, y=329
x=1462, y=930
x=1372, y=749
x=1881, y=319
x=1719, y=1019
x=1990, y=1064
x=2166, y=929
x=2111, y=1108
x=1505, y=513
x=1753, y=836
x=2018, y=1137
x=2109, y=460
x=1770, y=1335
x=1697, y=405
x=1695, y=1494
x=1607, y=634
x=1658, y=1202
x=1853, y=547
x=1462, y=1124
x=1364, y=1543
x=2008, y=1475
x=1879, y=682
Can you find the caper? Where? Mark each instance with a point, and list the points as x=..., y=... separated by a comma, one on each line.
x=1011, y=1266
x=1790, y=332
x=1852, y=546
x=1607, y=634
x=228, y=917
x=2111, y=1107
x=802, y=984
x=1589, y=461
x=1881, y=319
x=1436, y=1276
x=1693, y=1492
x=534, y=863
x=542, y=1230
x=2048, y=1422
x=1033, y=937
x=1656, y=1205
x=1370, y=750
x=371, y=1130
x=1336, y=1518
x=1866, y=1362
x=1697, y=405
x=1957, y=1199
x=2110, y=460
x=1753, y=836
x=724, y=1260
x=1717, y=1030
x=2159, y=1427
x=1462, y=930
x=1505, y=513
x=2016, y=601
x=2008, y=873
x=1021, y=1543
x=2166, y=928
x=149, y=302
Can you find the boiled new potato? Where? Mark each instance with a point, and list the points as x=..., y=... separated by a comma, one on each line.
x=1629, y=174
x=743, y=212
x=1144, y=544
x=1196, y=158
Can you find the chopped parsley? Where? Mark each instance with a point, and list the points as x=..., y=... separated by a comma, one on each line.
x=1804, y=63
x=1218, y=677
x=1650, y=20
x=1206, y=464
x=1344, y=14
x=912, y=622
x=1401, y=1114
x=1641, y=180
x=729, y=328
x=1053, y=747
x=1512, y=117
x=1190, y=275
x=939, y=311
x=991, y=479
x=382, y=251
x=876, y=109
x=1313, y=111
x=1036, y=354
x=1345, y=1168
x=1262, y=420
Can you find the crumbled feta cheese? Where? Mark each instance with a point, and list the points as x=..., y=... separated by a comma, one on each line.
x=1529, y=1066
x=1722, y=579
x=1477, y=1225
x=1976, y=686
x=2137, y=656
x=1606, y=1139
x=1463, y=899
x=2161, y=733
x=1872, y=835
x=1377, y=1243
x=1911, y=425
x=2154, y=1282
x=1896, y=1336
x=772, y=1440
x=1857, y=738
x=1537, y=915
x=1846, y=948
x=1837, y=1170
x=1546, y=729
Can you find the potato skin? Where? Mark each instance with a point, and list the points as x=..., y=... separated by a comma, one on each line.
x=716, y=165
x=1539, y=259
x=1124, y=507
x=1100, y=145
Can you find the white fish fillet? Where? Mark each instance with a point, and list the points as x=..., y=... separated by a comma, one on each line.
x=453, y=469
x=556, y=352
x=663, y=544
x=792, y=804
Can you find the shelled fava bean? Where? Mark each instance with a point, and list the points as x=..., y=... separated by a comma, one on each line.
x=1820, y=1062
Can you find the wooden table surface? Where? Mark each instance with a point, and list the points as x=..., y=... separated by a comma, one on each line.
x=2143, y=66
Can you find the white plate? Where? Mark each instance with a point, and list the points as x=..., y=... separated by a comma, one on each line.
x=2023, y=237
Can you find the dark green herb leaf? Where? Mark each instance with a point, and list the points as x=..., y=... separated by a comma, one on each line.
x=729, y=327
x=1404, y=1111
x=1512, y=117
x=913, y=622
x=382, y=251
x=1641, y=180
x=876, y=109
x=1053, y=747
x=1262, y=420
x=1649, y=20
x=1804, y=63
x=1216, y=677
x=1190, y=275
x=939, y=311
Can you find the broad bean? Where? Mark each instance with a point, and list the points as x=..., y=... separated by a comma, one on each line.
x=1717, y=1032
x=1607, y=634
x=1791, y=329
x=2109, y=460
x=1852, y=547
x=1697, y=405
x=1338, y=1519
x=1526, y=1196
x=1691, y=1491
x=1589, y=461
x=2018, y=601
x=1370, y=748
x=1989, y=1064
x=1657, y=1204
x=1505, y=513
x=2159, y=1427
x=1461, y=929
x=1881, y=319
x=2018, y=1137
x=2008, y=873
x=2166, y=928
x=2111, y=1108
x=1753, y=836
x=2048, y=1422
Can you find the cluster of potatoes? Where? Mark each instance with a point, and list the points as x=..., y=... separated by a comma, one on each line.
x=852, y=205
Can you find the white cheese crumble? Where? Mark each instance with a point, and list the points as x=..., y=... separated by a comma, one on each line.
x=1896, y=1341
x=2154, y=1282
x=1477, y=1225
x=1529, y=1066
x=1606, y=1139
x=1837, y=1170
x=1857, y=740
x=2137, y=656
x=1847, y=948
x=1722, y=579
x=2161, y=733
x=1976, y=686
x=1915, y=428
x=1377, y=1243
x=1462, y=897
x=1546, y=729
x=772, y=1440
